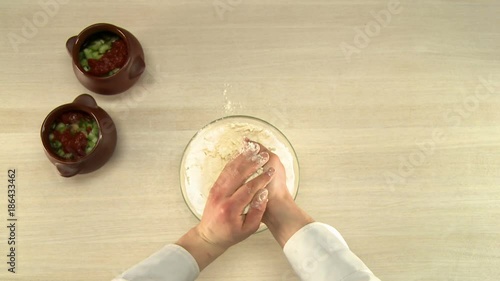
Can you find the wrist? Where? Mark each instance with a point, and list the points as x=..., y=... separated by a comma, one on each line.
x=284, y=218
x=202, y=250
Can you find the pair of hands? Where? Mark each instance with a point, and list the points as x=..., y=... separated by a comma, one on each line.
x=223, y=223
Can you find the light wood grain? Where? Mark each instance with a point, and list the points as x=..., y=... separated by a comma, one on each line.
x=352, y=122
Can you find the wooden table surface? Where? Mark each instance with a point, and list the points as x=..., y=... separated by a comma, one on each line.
x=392, y=107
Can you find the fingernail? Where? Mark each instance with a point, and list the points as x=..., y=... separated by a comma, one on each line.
x=250, y=148
x=261, y=158
x=261, y=199
x=270, y=171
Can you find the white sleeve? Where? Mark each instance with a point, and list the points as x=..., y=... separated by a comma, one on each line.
x=318, y=252
x=172, y=262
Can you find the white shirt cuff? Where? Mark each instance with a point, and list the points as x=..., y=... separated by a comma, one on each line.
x=172, y=262
x=318, y=252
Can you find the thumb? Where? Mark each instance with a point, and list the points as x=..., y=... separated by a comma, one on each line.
x=257, y=209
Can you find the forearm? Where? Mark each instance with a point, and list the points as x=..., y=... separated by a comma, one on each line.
x=285, y=219
x=202, y=251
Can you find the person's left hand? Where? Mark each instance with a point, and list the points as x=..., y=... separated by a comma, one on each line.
x=223, y=223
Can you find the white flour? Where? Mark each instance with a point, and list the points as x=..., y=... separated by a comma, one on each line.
x=215, y=146
x=230, y=107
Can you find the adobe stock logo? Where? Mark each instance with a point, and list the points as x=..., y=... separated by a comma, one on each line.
x=39, y=19
x=362, y=39
x=424, y=149
x=127, y=102
x=221, y=7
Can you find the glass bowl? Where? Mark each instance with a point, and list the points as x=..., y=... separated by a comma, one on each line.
x=217, y=143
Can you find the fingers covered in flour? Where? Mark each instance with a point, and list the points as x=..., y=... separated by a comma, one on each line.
x=246, y=194
x=236, y=172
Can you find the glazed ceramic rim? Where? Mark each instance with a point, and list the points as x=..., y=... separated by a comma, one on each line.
x=253, y=120
x=93, y=30
x=52, y=115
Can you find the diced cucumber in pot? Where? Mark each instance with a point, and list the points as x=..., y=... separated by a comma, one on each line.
x=74, y=135
x=99, y=45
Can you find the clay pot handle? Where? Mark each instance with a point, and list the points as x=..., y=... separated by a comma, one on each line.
x=67, y=171
x=137, y=67
x=70, y=43
x=86, y=100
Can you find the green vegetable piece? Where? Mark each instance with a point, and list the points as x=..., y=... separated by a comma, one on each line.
x=51, y=137
x=92, y=138
x=61, y=153
x=61, y=127
x=68, y=155
x=89, y=149
x=95, y=129
x=112, y=72
x=95, y=45
x=84, y=62
x=104, y=48
x=88, y=53
x=86, y=68
x=56, y=144
x=74, y=128
x=91, y=145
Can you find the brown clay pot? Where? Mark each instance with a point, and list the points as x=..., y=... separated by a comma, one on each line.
x=105, y=145
x=118, y=82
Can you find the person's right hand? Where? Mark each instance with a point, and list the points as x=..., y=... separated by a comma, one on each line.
x=282, y=216
x=278, y=191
